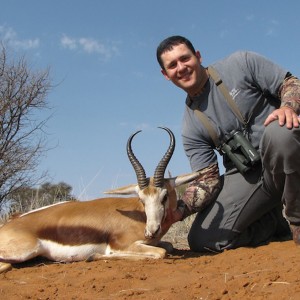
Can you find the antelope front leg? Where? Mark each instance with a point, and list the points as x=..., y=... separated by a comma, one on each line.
x=166, y=245
x=148, y=251
x=4, y=267
x=138, y=250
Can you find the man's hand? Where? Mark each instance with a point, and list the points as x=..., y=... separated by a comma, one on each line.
x=285, y=116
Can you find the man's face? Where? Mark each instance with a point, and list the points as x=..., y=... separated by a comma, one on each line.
x=183, y=68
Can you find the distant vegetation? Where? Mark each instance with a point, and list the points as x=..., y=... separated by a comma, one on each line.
x=25, y=199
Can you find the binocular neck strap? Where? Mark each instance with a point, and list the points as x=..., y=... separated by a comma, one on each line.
x=212, y=132
x=205, y=120
x=220, y=84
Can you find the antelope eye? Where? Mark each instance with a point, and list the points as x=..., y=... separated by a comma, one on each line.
x=164, y=199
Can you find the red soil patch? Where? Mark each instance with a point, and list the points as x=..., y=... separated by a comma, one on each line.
x=266, y=272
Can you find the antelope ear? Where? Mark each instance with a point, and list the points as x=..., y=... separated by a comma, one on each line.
x=125, y=190
x=182, y=179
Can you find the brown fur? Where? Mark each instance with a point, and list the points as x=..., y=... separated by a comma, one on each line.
x=102, y=228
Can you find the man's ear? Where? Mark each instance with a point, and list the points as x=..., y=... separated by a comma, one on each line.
x=198, y=55
x=165, y=74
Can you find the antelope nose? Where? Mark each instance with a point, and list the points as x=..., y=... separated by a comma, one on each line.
x=150, y=234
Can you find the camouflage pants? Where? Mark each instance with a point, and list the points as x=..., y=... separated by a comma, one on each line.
x=248, y=210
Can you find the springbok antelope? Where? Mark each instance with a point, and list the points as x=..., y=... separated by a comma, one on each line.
x=102, y=228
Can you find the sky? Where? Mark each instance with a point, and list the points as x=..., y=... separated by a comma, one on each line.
x=107, y=83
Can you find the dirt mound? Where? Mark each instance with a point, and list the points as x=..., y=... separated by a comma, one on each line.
x=266, y=272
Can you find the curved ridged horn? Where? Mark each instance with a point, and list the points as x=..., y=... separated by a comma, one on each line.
x=161, y=167
x=143, y=182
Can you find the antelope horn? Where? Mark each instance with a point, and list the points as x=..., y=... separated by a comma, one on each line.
x=161, y=167
x=143, y=182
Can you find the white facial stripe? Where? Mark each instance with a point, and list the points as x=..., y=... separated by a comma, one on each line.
x=154, y=210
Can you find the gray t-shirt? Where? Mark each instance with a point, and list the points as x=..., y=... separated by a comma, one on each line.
x=253, y=81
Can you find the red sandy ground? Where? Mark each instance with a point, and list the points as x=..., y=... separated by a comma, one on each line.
x=266, y=272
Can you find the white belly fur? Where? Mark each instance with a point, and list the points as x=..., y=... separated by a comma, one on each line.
x=66, y=253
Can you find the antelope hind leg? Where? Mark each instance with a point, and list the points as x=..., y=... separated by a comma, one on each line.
x=18, y=247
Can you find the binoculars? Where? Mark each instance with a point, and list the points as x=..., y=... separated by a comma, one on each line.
x=240, y=151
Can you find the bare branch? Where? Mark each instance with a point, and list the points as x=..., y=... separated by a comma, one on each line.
x=23, y=94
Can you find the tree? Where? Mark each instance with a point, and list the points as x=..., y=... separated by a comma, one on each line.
x=27, y=198
x=23, y=94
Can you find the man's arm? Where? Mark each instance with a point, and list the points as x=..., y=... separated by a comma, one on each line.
x=289, y=111
x=199, y=194
x=202, y=191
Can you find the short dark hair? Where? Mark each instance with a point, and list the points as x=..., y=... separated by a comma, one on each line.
x=168, y=44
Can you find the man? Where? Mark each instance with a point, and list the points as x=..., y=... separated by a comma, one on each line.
x=237, y=209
